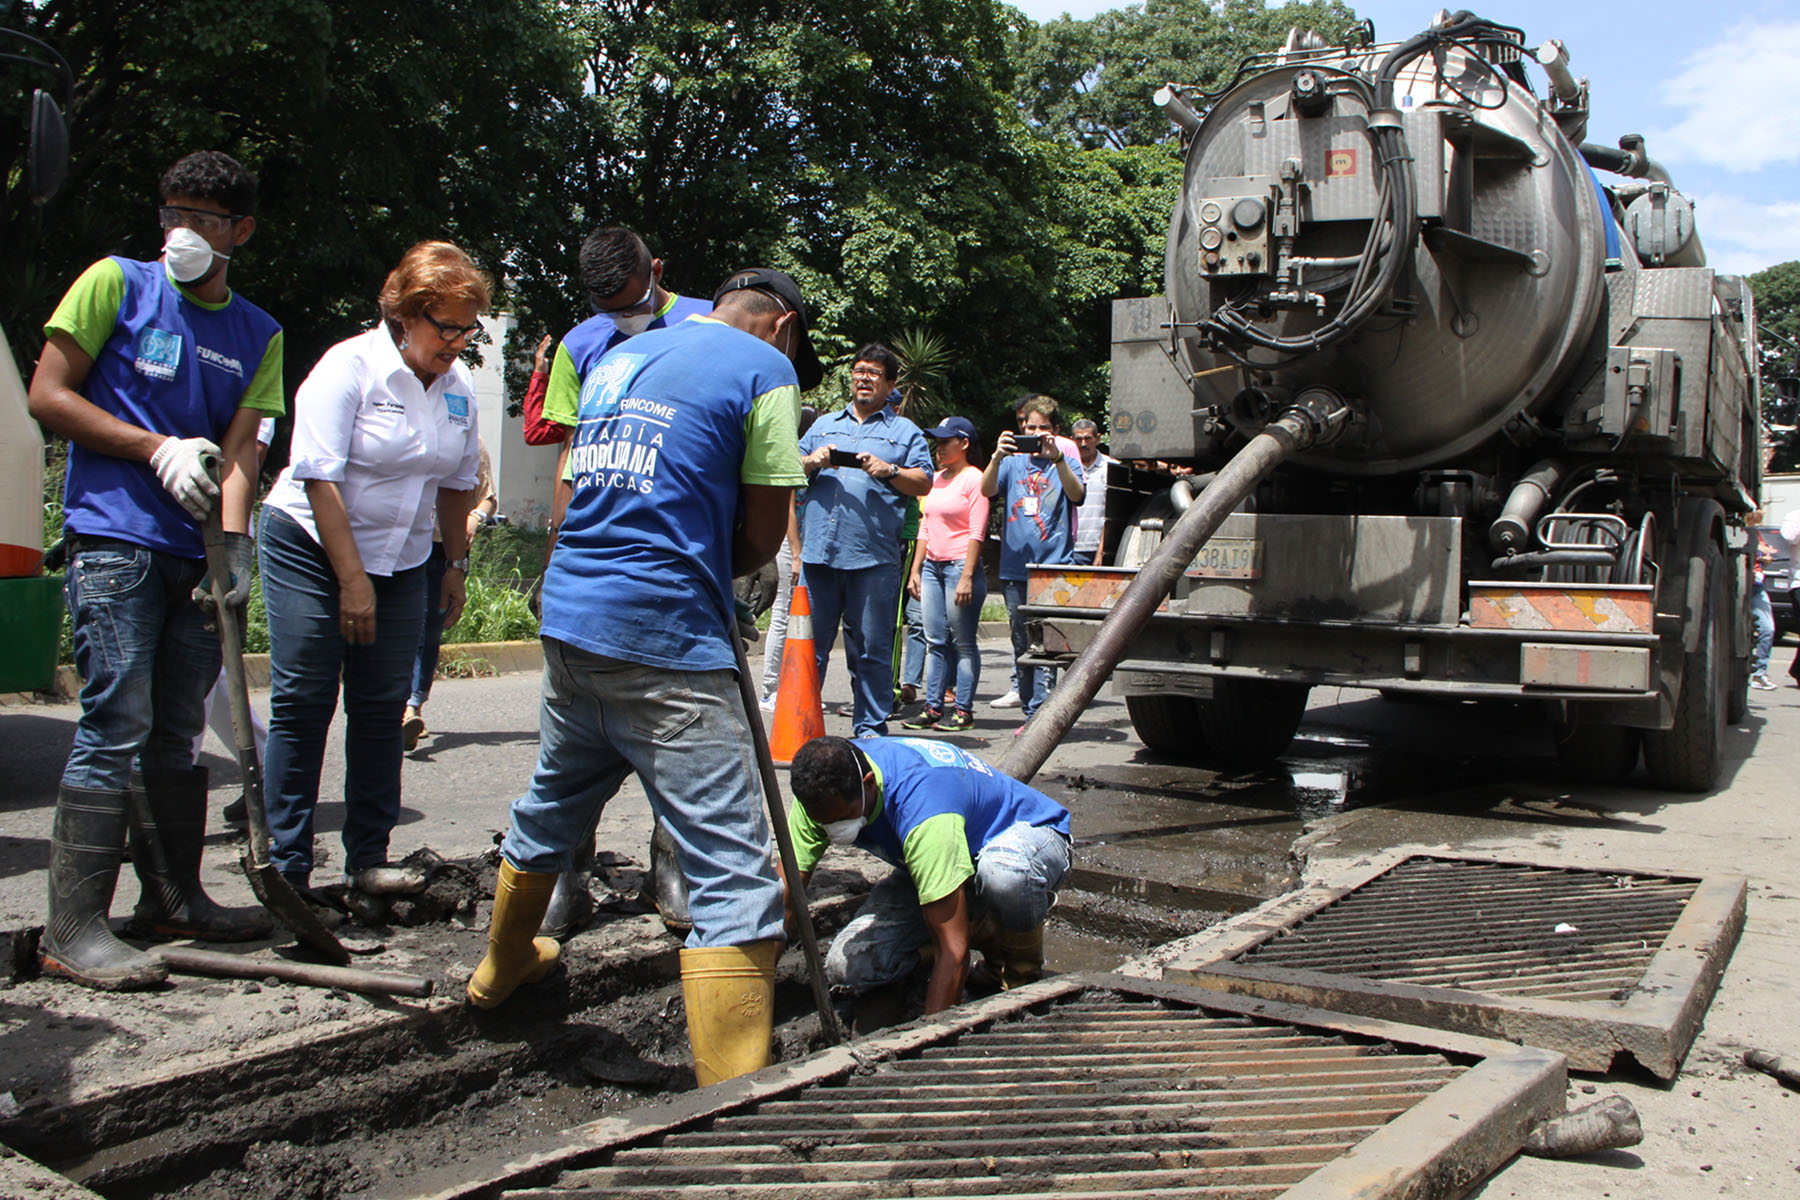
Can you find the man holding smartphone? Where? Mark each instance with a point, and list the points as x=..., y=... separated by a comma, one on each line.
x=861, y=462
x=1041, y=489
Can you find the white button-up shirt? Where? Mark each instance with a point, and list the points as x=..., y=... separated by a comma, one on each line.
x=363, y=421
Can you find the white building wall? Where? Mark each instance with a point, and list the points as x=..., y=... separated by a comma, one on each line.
x=523, y=474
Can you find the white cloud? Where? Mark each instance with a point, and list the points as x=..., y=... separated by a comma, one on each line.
x=1737, y=99
x=1744, y=236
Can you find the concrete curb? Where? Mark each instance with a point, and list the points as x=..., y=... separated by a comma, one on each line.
x=465, y=658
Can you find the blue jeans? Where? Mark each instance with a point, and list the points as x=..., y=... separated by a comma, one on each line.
x=912, y=655
x=686, y=735
x=307, y=657
x=146, y=660
x=775, y=641
x=431, y=634
x=1016, y=876
x=1033, y=682
x=865, y=600
x=951, y=629
x=1762, y=614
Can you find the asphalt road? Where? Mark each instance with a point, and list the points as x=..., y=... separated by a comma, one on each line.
x=1365, y=775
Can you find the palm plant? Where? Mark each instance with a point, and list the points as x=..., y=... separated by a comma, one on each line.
x=924, y=359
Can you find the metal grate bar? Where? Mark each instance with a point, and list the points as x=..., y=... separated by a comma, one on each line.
x=1116, y=1097
x=1487, y=927
x=1472, y=944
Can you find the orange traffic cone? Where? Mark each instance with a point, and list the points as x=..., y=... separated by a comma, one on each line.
x=799, y=713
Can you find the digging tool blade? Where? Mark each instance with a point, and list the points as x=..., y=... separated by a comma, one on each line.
x=273, y=892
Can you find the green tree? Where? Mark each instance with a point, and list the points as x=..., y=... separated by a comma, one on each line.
x=1091, y=82
x=371, y=125
x=1777, y=293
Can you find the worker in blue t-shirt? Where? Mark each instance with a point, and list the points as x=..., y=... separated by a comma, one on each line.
x=979, y=857
x=624, y=285
x=1041, y=491
x=152, y=370
x=680, y=472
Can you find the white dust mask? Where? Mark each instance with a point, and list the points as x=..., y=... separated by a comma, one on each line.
x=842, y=833
x=187, y=256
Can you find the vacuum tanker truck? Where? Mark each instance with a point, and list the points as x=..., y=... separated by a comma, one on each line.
x=1467, y=412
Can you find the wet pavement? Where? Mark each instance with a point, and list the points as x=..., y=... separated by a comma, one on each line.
x=1163, y=848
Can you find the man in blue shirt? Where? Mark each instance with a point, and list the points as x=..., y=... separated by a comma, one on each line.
x=680, y=473
x=850, y=529
x=1041, y=491
x=978, y=855
x=151, y=369
x=624, y=285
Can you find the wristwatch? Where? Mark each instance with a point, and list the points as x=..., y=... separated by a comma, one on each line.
x=458, y=564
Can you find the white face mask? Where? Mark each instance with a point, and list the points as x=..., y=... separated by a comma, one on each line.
x=633, y=325
x=842, y=833
x=187, y=256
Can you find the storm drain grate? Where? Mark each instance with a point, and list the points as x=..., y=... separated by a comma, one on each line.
x=1096, y=1086
x=1583, y=961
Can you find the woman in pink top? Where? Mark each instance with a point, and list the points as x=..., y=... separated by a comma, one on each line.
x=947, y=575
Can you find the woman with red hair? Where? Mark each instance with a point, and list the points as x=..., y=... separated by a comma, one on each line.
x=384, y=436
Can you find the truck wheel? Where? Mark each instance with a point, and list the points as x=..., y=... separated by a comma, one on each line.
x=1685, y=756
x=1249, y=722
x=1604, y=754
x=1167, y=724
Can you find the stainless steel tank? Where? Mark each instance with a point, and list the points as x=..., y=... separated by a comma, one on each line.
x=1287, y=214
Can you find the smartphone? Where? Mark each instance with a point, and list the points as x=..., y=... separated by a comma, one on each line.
x=843, y=458
x=1028, y=443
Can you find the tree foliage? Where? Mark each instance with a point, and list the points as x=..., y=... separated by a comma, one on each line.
x=946, y=168
x=1777, y=293
x=1091, y=82
x=372, y=125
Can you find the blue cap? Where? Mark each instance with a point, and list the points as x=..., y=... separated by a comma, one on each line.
x=953, y=427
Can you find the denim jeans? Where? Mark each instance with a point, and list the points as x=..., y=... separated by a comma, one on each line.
x=775, y=641
x=912, y=655
x=1016, y=876
x=307, y=657
x=951, y=629
x=1033, y=682
x=866, y=601
x=146, y=659
x=686, y=735
x=431, y=634
x=1762, y=615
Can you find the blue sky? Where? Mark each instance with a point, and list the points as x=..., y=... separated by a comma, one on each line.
x=1717, y=98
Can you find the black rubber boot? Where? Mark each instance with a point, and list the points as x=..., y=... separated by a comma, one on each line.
x=168, y=823
x=87, y=844
x=666, y=884
x=571, y=904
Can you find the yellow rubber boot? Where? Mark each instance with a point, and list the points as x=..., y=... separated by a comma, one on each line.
x=514, y=956
x=730, y=995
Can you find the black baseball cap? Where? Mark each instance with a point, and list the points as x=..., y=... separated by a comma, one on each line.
x=781, y=286
x=953, y=427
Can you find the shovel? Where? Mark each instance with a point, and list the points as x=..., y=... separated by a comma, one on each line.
x=273, y=891
x=784, y=842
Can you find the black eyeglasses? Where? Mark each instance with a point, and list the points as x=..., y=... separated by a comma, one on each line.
x=200, y=220
x=450, y=333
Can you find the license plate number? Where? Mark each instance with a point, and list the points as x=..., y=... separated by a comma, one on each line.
x=1229, y=558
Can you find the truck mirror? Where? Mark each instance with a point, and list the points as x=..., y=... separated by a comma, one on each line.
x=47, y=161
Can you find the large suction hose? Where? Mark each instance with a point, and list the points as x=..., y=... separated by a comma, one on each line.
x=1296, y=430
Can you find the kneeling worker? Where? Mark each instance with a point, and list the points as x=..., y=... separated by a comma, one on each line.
x=980, y=856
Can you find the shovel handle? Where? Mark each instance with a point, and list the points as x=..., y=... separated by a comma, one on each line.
x=784, y=842
x=237, y=690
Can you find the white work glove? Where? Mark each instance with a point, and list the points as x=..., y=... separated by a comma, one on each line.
x=180, y=466
x=240, y=551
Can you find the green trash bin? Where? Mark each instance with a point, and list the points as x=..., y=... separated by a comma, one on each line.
x=31, y=616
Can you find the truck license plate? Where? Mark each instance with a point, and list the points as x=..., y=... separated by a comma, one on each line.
x=1229, y=558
